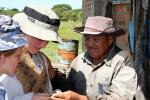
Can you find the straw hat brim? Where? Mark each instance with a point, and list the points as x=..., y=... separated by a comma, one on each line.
x=112, y=31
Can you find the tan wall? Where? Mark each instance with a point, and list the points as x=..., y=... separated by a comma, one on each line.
x=121, y=15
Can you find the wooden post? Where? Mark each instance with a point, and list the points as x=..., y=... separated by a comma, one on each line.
x=87, y=11
x=141, y=39
x=121, y=14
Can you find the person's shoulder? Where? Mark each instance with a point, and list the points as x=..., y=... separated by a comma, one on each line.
x=42, y=54
x=3, y=77
x=124, y=54
x=79, y=56
x=6, y=79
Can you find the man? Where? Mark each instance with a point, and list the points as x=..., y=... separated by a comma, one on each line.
x=103, y=71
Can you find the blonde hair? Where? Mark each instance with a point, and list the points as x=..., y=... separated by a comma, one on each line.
x=9, y=52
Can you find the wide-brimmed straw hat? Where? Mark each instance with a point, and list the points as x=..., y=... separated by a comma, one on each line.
x=100, y=25
x=11, y=36
x=40, y=22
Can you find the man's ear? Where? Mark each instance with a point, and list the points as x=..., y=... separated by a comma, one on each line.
x=110, y=40
x=2, y=58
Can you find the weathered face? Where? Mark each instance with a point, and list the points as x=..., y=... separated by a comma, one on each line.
x=9, y=63
x=35, y=44
x=97, y=45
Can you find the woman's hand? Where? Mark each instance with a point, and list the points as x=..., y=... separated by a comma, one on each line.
x=41, y=96
x=68, y=95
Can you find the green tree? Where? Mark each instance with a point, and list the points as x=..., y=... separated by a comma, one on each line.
x=10, y=12
x=15, y=9
x=79, y=14
x=66, y=13
x=61, y=8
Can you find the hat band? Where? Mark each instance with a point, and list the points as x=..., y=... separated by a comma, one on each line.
x=40, y=17
x=92, y=29
x=96, y=30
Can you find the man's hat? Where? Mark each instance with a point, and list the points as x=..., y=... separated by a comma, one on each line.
x=100, y=25
x=40, y=22
x=10, y=34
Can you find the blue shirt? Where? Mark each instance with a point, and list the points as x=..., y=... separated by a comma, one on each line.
x=2, y=94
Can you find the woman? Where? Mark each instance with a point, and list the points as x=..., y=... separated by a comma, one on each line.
x=11, y=45
x=40, y=25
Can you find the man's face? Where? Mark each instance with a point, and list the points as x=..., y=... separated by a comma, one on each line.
x=97, y=45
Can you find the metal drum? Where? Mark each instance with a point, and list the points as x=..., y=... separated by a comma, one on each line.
x=67, y=51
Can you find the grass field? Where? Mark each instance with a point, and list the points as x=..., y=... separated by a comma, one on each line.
x=66, y=32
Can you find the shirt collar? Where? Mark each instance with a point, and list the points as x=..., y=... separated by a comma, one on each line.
x=114, y=49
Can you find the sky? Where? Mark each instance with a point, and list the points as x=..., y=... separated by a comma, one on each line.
x=19, y=4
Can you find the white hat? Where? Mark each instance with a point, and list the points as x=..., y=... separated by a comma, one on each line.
x=40, y=22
